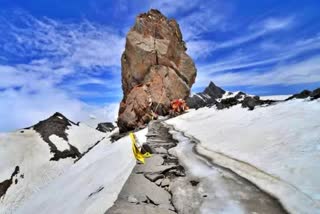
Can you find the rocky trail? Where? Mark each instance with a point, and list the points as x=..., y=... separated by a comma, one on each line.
x=190, y=184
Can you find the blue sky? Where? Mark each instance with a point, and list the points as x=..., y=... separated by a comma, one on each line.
x=65, y=55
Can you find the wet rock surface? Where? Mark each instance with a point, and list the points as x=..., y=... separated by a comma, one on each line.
x=155, y=70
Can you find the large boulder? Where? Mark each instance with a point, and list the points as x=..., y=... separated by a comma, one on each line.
x=155, y=69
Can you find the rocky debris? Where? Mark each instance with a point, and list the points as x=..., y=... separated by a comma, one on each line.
x=5, y=185
x=252, y=102
x=216, y=96
x=132, y=199
x=315, y=94
x=153, y=176
x=147, y=189
x=105, y=127
x=57, y=125
x=155, y=70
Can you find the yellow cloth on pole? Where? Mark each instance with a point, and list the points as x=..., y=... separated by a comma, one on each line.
x=137, y=154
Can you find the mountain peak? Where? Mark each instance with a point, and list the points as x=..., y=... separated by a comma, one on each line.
x=214, y=91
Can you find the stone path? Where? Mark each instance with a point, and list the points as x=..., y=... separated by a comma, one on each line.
x=162, y=185
x=146, y=190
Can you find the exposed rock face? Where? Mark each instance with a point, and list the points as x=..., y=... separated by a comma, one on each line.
x=216, y=96
x=155, y=69
x=306, y=94
x=105, y=127
x=57, y=125
x=207, y=97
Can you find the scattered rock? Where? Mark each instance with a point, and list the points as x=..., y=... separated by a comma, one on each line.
x=194, y=183
x=149, y=183
x=155, y=70
x=165, y=182
x=153, y=176
x=143, y=189
x=146, y=148
x=105, y=127
x=227, y=103
x=158, y=182
x=161, y=150
x=251, y=102
x=132, y=199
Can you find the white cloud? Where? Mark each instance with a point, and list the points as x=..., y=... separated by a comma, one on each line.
x=24, y=107
x=278, y=23
x=50, y=62
x=306, y=71
x=199, y=49
x=209, y=20
x=262, y=55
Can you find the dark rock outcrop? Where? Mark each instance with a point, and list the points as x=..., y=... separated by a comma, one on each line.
x=207, y=98
x=57, y=125
x=5, y=185
x=302, y=95
x=216, y=96
x=214, y=91
x=105, y=127
x=252, y=102
x=155, y=70
x=315, y=94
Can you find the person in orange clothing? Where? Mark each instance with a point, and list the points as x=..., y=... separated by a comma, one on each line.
x=178, y=106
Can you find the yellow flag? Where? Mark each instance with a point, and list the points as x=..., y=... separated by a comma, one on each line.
x=137, y=154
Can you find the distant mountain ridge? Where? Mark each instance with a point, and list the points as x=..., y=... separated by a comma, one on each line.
x=221, y=99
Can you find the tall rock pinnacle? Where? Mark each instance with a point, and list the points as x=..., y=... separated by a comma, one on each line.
x=155, y=69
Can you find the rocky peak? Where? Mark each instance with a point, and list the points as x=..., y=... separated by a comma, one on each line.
x=214, y=91
x=57, y=125
x=155, y=69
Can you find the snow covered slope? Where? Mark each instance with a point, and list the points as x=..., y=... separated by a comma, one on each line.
x=59, y=166
x=275, y=147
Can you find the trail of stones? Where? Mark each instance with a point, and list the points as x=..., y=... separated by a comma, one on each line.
x=166, y=185
x=147, y=188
